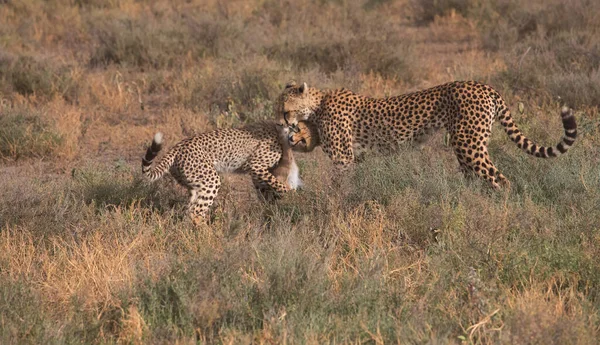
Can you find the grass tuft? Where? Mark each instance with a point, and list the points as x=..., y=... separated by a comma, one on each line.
x=27, y=76
x=24, y=134
x=120, y=187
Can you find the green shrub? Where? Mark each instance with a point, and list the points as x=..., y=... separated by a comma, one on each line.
x=550, y=51
x=427, y=10
x=564, y=66
x=24, y=134
x=233, y=99
x=30, y=77
x=22, y=316
x=136, y=43
x=386, y=56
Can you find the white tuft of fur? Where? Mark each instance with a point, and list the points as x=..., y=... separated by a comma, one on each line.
x=158, y=137
x=293, y=178
x=566, y=111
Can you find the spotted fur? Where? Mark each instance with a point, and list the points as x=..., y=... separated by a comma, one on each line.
x=304, y=137
x=348, y=123
x=196, y=163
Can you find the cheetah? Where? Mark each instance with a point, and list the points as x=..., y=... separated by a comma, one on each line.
x=348, y=123
x=304, y=137
x=260, y=149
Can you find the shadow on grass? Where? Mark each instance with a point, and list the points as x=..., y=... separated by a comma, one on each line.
x=121, y=187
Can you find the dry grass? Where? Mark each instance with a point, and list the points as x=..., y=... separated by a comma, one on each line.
x=405, y=250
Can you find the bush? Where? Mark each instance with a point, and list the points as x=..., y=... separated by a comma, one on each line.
x=427, y=10
x=565, y=66
x=30, y=77
x=549, y=50
x=233, y=97
x=24, y=134
x=385, y=56
x=22, y=316
x=166, y=41
x=129, y=42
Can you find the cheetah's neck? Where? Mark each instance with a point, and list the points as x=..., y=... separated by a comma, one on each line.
x=315, y=99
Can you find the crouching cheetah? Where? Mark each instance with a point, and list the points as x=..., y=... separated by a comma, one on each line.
x=259, y=149
x=348, y=123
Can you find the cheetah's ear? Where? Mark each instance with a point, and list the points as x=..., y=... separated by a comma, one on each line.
x=303, y=88
x=290, y=84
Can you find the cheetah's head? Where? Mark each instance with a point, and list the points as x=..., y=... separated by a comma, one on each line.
x=294, y=104
x=304, y=138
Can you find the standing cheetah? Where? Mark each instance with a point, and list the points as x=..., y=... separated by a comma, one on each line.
x=259, y=149
x=348, y=123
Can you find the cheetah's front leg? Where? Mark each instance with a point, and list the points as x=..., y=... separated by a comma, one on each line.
x=336, y=137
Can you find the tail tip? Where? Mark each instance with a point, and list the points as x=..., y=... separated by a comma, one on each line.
x=158, y=138
x=566, y=112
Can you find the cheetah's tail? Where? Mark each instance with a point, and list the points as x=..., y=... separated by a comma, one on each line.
x=531, y=148
x=162, y=167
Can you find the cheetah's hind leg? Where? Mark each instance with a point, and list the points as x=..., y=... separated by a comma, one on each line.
x=203, y=193
x=477, y=162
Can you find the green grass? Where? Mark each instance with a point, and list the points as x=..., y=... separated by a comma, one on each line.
x=371, y=268
x=28, y=76
x=20, y=308
x=24, y=134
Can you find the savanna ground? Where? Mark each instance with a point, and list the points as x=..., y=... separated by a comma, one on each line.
x=406, y=250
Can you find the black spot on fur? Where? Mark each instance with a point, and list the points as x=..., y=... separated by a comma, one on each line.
x=569, y=122
x=561, y=148
x=543, y=152
x=151, y=153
